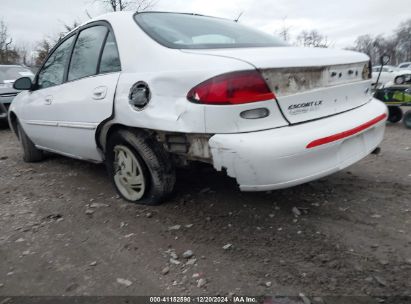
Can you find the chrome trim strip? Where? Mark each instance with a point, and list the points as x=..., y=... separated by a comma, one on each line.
x=41, y=123
x=63, y=124
x=78, y=125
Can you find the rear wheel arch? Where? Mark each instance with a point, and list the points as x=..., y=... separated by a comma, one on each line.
x=156, y=160
x=105, y=130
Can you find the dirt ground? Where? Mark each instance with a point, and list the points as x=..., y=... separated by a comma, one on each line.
x=64, y=231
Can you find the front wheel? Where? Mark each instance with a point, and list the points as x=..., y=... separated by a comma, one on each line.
x=140, y=169
x=30, y=153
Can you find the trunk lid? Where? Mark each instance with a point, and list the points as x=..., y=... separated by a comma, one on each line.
x=309, y=83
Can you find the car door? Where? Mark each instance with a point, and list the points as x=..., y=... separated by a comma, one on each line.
x=37, y=117
x=86, y=98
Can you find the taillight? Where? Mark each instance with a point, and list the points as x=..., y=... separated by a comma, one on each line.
x=232, y=88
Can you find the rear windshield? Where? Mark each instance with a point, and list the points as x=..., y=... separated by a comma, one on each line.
x=11, y=73
x=184, y=31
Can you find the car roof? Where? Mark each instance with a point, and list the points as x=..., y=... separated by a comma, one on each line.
x=115, y=15
x=108, y=17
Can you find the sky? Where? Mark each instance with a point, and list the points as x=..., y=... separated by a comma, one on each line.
x=341, y=21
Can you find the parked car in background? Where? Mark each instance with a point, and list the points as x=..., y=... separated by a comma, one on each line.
x=388, y=74
x=405, y=65
x=146, y=92
x=8, y=74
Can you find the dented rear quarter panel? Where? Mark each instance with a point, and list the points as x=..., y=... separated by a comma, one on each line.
x=170, y=75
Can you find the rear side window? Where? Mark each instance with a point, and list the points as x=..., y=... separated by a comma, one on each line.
x=86, y=53
x=52, y=72
x=183, y=31
x=110, y=60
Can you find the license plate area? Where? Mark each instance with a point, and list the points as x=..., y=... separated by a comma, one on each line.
x=351, y=149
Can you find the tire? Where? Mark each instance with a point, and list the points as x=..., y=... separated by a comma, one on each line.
x=30, y=153
x=407, y=119
x=139, y=167
x=399, y=80
x=395, y=114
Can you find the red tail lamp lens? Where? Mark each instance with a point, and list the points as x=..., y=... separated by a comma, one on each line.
x=233, y=88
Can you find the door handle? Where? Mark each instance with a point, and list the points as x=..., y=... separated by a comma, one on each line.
x=100, y=93
x=48, y=100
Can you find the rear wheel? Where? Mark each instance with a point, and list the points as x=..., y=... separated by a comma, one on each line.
x=395, y=114
x=130, y=179
x=30, y=153
x=140, y=169
x=407, y=119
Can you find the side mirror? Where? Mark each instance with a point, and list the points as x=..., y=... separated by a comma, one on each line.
x=22, y=84
x=384, y=59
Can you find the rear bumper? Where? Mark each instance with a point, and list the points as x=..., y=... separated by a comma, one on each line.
x=289, y=156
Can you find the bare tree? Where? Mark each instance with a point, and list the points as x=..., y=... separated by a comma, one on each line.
x=68, y=27
x=364, y=44
x=397, y=45
x=285, y=31
x=403, y=34
x=8, y=54
x=42, y=50
x=25, y=53
x=312, y=38
x=385, y=46
x=46, y=44
x=128, y=5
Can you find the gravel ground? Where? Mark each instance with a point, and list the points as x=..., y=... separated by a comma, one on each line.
x=65, y=232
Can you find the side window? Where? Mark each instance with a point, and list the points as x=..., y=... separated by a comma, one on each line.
x=86, y=52
x=52, y=72
x=110, y=59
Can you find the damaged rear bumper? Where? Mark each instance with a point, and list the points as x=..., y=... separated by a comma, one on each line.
x=293, y=155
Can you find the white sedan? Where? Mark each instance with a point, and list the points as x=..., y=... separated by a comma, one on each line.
x=146, y=92
x=388, y=75
x=405, y=65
